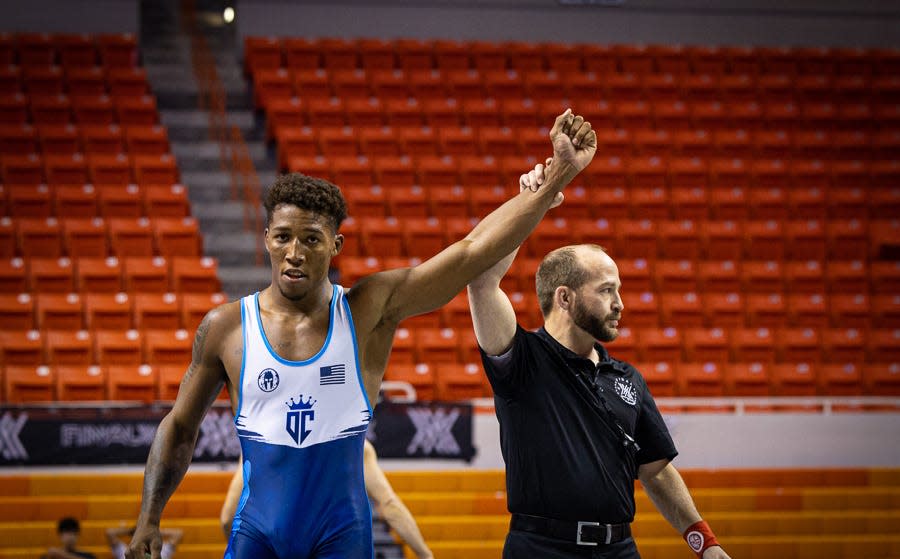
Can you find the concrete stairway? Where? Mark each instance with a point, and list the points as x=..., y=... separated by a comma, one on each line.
x=166, y=53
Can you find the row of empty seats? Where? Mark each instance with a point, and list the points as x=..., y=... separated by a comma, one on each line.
x=418, y=54
x=68, y=139
x=98, y=169
x=126, y=110
x=112, y=50
x=106, y=311
x=71, y=202
x=106, y=347
x=816, y=512
x=808, y=154
x=524, y=113
x=179, y=274
x=98, y=238
x=75, y=81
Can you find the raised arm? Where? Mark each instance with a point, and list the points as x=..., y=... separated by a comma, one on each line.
x=173, y=445
x=428, y=286
x=492, y=313
x=670, y=495
x=392, y=508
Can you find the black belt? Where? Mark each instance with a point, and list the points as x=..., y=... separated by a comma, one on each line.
x=578, y=532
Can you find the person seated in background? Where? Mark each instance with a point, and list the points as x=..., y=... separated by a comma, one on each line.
x=385, y=502
x=68, y=531
x=171, y=537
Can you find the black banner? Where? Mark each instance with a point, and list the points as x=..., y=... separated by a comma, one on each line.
x=49, y=436
x=423, y=430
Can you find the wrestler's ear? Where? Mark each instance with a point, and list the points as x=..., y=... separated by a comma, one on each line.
x=562, y=298
x=338, y=244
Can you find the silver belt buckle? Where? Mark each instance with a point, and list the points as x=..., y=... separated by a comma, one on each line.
x=583, y=524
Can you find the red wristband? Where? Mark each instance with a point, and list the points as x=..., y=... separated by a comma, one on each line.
x=699, y=536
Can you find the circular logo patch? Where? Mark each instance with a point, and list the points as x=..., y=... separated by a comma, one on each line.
x=695, y=540
x=267, y=380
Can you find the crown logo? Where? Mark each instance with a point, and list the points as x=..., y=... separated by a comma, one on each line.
x=300, y=404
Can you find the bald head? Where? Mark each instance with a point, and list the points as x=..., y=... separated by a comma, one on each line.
x=571, y=266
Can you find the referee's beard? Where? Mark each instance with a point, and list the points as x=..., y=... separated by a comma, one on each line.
x=596, y=326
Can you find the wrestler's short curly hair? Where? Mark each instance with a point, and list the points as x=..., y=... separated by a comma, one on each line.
x=307, y=193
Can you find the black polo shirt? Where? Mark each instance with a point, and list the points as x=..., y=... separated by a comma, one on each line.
x=565, y=456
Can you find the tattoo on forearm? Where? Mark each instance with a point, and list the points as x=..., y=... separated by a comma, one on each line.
x=198, y=348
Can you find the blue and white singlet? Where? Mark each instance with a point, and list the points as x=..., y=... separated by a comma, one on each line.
x=301, y=426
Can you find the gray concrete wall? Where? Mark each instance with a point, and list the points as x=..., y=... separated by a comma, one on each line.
x=725, y=22
x=70, y=16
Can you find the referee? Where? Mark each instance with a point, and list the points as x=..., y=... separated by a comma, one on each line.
x=577, y=426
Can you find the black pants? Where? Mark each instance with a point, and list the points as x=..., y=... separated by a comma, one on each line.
x=526, y=545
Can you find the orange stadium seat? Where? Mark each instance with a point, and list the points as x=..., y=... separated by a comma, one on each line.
x=66, y=169
x=10, y=80
x=352, y=171
x=166, y=201
x=794, y=379
x=700, y=380
x=682, y=310
x=649, y=143
x=26, y=384
x=262, y=53
x=404, y=346
x=729, y=175
x=420, y=375
x=110, y=170
x=130, y=237
x=706, y=345
x=885, y=277
x=58, y=311
x=80, y=383
x=18, y=139
x=151, y=170
x=76, y=202
x=840, y=379
x=127, y=81
x=882, y=379
x=457, y=381
x=363, y=201
x=284, y=113
x=21, y=347
x=660, y=376
x=149, y=275
x=14, y=109
x=136, y=111
x=96, y=110
x=327, y=112
x=167, y=347
x=625, y=346
x=30, y=201
x=65, y=347
x=13, y=276
x=525, y=56
x=117, y=49
x=50, y=109
x=805, y=240
x=746, y=379
x=762, y=276
x=379, y=142
x=118, y=347
x=131, y=382
x=82, y=81
x=843, y=346
x=295, y=142
x=850, y=310
x=437, y=345
x=54, y=275
x=660, y=344
x=168, y=379
x=387, y=83
x=613, y=142
x=751, y=345
x=798, y=345
x=195, y=275
x=271, y=83
x=425, y=84
x=156, y=311
x=17, y=311
x=561, y=57
x=352, y=269
x=58, y=139
x=194, y=307
x=21, y=169
x=147, y=140
x=364, y=112
x=886, y=311
x=722, y=240
x=177, y=237
x=807, y=310
x=7, y=235
x=637, y=274
x=423, y=237
x=642, y=308
x=679, y=276
x=883, y=346
x=764, y=240
x=108, y=311
x=452, y=141
x=846, y=239
x=637, y=239
x=85, y=238
x=847, y=276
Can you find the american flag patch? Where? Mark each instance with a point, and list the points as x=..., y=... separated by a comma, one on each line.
x=332, y=374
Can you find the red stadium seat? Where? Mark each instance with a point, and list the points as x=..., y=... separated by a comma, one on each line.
x=58, y=311
x=110, y=170
x=840, y=379
x=262, y=53
x=883, y=346
x=96, y=110
x=807, y=310
x=403, y=350
x=423, y=237
x=167, y=347
x=84, y=81
x=457, y=381
x=886, y=311
x=722, y=240
x=762, y=277
x=152, y=170
x=195, y=275
x=379, y=142
x=64, y=347
x=157, y=311
x=746, y=379
x=801, y=345
x=13, y=276
x=764, y=240
x=642, y=309
x=80, y=383
x=882, y=379
x=437, y=345
x=85, y=238
x=166, y=201
x=147, y=140
x=26, y=384
x=706, y=345
x=131, y=383
x=76, y=202
x=718, y=276
x=850, y=310
x=127, y=81
x=688, y=204
x=637, y=239
x=421, y=376
x=54, y=275
x=168, y=380
x=700, y=380
x=660, y=344
x=148, y=275
x=624, y=347
x=177, y=237
x=805, y=240
x=17, y=311
x=752, y=345
x=843, y=346
x=660, y=377
x=678, y=276
x=30, y=201
x=117, y=49
x=108, y=311
x=794, y=379
x=681, y=310
x=131, y=237
x=847, y=276
x=59, y=139
x=118, y=347
x=24, y=169
x=846, y=239
x=136, y=111
x=270, y=84
x=14, y=109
